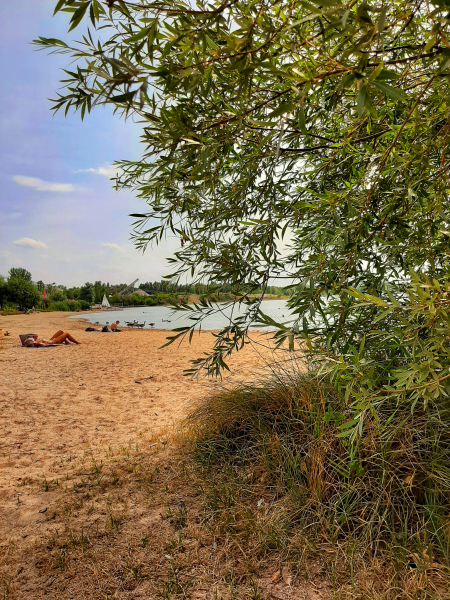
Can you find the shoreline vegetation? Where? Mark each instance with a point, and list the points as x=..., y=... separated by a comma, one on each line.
x=19, y=293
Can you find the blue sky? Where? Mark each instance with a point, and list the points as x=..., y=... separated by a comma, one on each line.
x=60, y=217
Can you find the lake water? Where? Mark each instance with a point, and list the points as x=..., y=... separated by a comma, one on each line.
x=164, y=317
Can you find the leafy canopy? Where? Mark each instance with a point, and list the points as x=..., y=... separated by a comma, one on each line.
x=19, y=273
x=21, y=292
x=303, y=142
x=87, y=293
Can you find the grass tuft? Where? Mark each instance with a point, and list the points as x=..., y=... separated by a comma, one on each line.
x=277, y=480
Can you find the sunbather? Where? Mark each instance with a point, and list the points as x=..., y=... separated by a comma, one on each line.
x=60, y=337
x=103, y=329
x=114, y=326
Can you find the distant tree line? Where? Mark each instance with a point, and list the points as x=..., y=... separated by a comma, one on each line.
x=19, y=292
x=166, y=287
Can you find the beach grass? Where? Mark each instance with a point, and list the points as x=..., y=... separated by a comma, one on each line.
x=277, y=481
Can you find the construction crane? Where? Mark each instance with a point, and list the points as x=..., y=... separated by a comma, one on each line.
x=127, y=288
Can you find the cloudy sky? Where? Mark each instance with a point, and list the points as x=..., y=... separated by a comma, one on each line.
x=59, y=216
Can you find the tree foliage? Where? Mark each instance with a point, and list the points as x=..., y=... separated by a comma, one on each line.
x=18, y=289
x=302, y=142
x=19, y=273
x=87, y=293
x=22, y=293
x=3, y=291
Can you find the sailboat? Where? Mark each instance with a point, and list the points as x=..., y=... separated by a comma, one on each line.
x=105, y=303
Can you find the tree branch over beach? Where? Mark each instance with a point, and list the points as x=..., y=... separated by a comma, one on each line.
x=232, y=97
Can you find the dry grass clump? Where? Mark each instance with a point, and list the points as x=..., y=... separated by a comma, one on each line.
x=375, y=515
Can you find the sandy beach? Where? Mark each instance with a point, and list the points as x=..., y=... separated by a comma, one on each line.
x=110, y=390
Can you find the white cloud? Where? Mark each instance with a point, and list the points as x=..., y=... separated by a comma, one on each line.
x=30, y=243
x=113, y=246
x=43, y=186
x=106, y=171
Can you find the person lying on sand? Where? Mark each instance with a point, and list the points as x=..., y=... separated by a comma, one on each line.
x=59, y=338
x=105, y=328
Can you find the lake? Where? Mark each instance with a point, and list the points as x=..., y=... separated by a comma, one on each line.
x=164, y=317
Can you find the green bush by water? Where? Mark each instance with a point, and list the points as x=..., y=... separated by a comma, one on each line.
x=66, y=305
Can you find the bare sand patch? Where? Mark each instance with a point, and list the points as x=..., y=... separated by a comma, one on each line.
x=57, y=402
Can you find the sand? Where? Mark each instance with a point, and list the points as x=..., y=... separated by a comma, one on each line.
x=55, y=402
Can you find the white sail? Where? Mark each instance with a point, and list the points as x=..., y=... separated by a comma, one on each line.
x=105, y=303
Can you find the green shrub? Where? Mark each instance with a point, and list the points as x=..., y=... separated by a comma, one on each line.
x=136, y=299
x=3, y=291
x=9, y=305
x=73, y=305
x=83, y=305
x=165, y=298
x=45, y=303
x=58, y=296
x=8, y=311
x=401, y=363
x=59, y=306
x=116, y=299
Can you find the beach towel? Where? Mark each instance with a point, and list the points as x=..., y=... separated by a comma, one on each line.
x=47, y=346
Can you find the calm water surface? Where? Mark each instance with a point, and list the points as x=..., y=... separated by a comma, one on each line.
x=165, y=317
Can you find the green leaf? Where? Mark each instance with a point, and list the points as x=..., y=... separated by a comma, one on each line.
x=301, y=120
x=382, y=20
x=78, y=15
x=361, y=98
x=211, y=44
x=58, y=6
x=139, y=35
x=121, y=98
x=345, y=434
x=393, y=93
x=376, y=72
x=281, y=110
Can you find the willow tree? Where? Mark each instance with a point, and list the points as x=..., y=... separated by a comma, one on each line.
x=290, y=141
